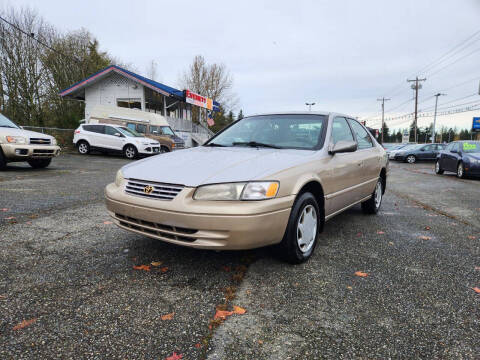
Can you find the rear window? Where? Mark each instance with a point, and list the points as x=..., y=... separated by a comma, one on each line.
x=94, y=128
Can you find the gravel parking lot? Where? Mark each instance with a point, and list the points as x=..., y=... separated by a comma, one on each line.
x=68, y=287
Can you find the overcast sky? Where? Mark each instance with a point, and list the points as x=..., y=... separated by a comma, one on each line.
x=340, y=54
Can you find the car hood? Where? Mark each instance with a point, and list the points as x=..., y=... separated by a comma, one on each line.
x=475, y=156
x=25, y=133
x=209, y=165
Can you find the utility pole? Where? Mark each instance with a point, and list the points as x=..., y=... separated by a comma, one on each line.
x=309, y=105
x=383, y=113
x=435, y=116
x=416, y=86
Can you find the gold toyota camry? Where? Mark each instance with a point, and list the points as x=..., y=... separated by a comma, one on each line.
x=264, y=180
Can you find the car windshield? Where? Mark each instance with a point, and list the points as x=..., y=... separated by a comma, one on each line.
x=471, y=147
x=6, y=122
x=274, y=131
x=129, y=132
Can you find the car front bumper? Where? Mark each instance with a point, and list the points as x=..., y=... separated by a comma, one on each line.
x=219, y=225
x=24, y=152
x=149, y=149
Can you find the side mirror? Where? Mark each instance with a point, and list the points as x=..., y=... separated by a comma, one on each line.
x=118, y=134
x=343, y=146
x=155, y=132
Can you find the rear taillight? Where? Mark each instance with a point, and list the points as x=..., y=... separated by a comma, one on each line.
x=77, y=131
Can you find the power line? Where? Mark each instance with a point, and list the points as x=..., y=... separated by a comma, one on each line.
x=454, y=62
x=32, y=36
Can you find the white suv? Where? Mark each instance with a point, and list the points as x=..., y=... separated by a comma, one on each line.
x=111, y=138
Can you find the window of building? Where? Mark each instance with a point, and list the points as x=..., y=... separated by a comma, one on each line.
x=130, y=103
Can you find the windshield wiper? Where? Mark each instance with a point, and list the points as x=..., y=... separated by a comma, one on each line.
x=215, y=144
x=256, y=144
x=8, y=126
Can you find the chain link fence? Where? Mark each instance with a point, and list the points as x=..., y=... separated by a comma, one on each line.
x=64, y=137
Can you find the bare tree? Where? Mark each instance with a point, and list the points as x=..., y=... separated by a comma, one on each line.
x=213, y=81
x=152, y=70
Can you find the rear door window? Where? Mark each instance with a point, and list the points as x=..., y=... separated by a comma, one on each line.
x=94, y=128
x=110, y=130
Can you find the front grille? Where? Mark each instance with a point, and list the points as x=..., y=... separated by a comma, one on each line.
x=41, y=152
x=160, y=191
x=40, y=141
x=160, y=230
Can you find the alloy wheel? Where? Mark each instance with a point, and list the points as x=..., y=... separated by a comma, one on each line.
x=82, y=148
x=130, y=152
x=307, y=228
x=378, y=194
x=411, y=159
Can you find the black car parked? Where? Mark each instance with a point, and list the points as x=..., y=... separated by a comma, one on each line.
x=462, y=157
x=421, y=152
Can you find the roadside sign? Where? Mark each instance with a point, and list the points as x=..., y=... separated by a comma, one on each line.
x=476, y=124
x=406, y=137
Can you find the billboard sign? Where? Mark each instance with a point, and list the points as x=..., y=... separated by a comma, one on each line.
x=476, y=124
x=198, y=100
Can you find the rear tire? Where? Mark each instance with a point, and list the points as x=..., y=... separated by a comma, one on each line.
x=411, y=159
x=438, y=169
x=39, y=163
x=303, y=229
x=372, y=205
x=83, y=147
x=130, y=152
x=460, y=170
x=164, y=149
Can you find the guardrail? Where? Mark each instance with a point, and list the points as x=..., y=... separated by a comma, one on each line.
x=64, y=137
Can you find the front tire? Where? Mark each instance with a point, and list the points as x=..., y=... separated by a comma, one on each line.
x=411, y=159
x=460, y=170
x=303, y=229
x=372, y=205
x=39, y=163
x=438, y=169
x=3, y=161
x=130, y=152
x=164, y=149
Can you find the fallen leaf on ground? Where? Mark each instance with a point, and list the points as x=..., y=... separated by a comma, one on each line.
x=142, y=267
x=477, y=267
x=10, y=218
x=359, y=234
x=222, y=314
x=349, y=288
x=24, y=324
x=476, y=289
x=471, y=237
x=2, y=297
x=361, y=274
x=164, y=269
x=4, y=209
x=174, y=356
x=379, y=232
x=107, y=222
x=390, y=243
x=156, y=263
x=423, y=237
x=260, y=342
x=198, y=345
x=168, y=316
x=427, y=227
x=238, y=310
x=226, y=268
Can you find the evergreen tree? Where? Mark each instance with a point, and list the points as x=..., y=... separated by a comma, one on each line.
x=240, y=115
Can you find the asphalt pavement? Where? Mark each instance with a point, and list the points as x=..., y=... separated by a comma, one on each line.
x=69, y=289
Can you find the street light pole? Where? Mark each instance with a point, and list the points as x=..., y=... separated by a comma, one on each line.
x=309, y=105
x=435, y=116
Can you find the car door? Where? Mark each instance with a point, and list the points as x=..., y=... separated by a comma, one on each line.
x=426, y=152
x=451, y=157
x=94, y=135
x=370, y=157
x=113, y=138
x=344, y=170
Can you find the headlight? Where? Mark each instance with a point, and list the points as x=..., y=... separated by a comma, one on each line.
x=16, y=139
x=119, y=178
x=54, y=141
x=255, y=190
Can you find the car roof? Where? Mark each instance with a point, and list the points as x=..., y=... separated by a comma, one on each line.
x=324, y=113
